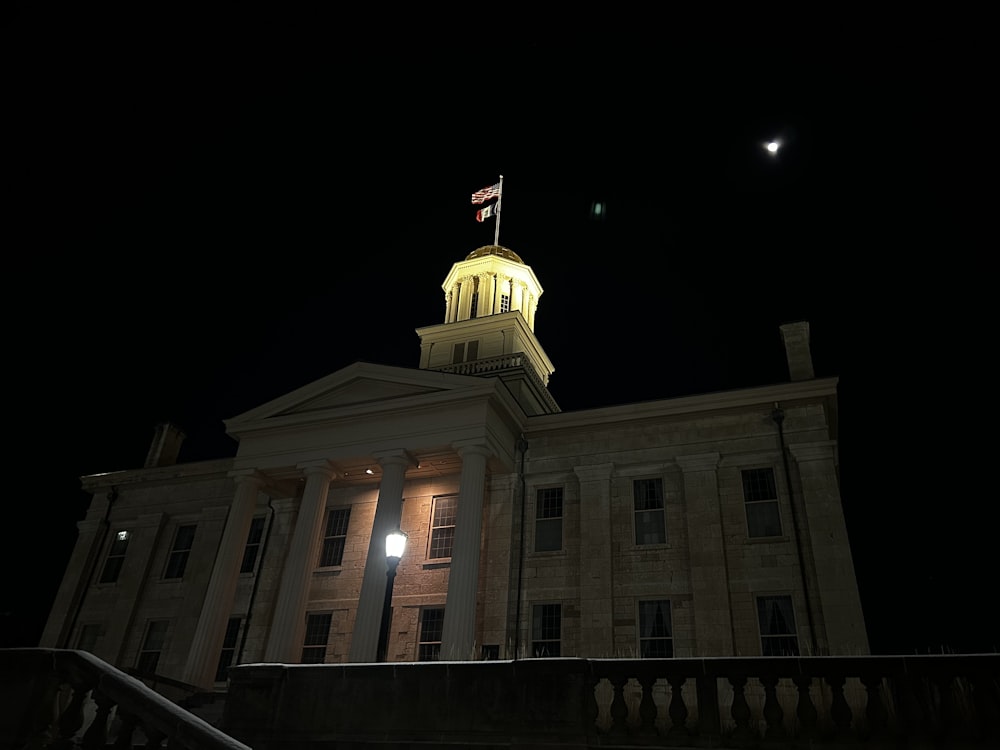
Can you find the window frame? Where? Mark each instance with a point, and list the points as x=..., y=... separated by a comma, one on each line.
x=662, y=510
x=329, y=539
x=110, y=571
x=152, y=647
x=251, y=550
x=549, y=520
x=227, y=654
x=177, y=557
x=315, y=626
x=653, y=638
x=539, y=635
x=432, y=645
x=791, y=637
x=771, y=503
x=433, y=528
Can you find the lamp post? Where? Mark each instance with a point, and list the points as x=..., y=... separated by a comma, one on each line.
x=395, y=543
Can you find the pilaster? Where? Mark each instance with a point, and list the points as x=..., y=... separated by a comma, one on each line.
x=596, y=566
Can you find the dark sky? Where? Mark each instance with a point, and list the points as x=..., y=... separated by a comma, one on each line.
x=210, y=211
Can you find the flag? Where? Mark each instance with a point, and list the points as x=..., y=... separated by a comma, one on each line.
x=486, y=194
x=485, y=213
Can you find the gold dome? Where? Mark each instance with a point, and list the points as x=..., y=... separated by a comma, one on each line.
x=497, y=250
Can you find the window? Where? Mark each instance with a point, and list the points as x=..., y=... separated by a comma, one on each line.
x=760, y=497
x=548, y=519
x=335, y=537
x=777, y=626
x=152, y=645
x=252, y=549
x=228, y=649
x=431, y=627
x=473, y=352
x=177, y=561
x=504, y=303
x=116, y=557
x=317, y=632
x=474, y=308
x=650, y=527
x=458, y=354
x=442, y=526
x=88, y=637
x=545, y=629
x=655, y=634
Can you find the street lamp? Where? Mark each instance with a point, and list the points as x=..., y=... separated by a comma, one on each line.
x=395, y=543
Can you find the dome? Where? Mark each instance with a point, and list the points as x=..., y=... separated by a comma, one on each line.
x=497, y=250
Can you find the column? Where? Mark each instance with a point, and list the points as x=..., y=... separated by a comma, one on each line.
x=502, y=287
x=596, y=566
x=447, y=305
x=486, y=294
x=839, y=614
x=284, y=642
x=83, y=569
x=532, y=306
x=458, y=638
x=466, y=290
x=516, y=294
x=203, y=656
x=713, y=620
x=388, y=509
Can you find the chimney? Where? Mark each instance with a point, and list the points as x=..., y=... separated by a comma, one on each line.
x=796, y=338
x=166, y=445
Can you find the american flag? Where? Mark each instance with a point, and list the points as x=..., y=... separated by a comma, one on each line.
x=487, y=193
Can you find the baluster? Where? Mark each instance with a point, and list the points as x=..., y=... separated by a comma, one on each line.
x=740, y=710
x=840, y=712
x=647, y=708
x=678, y=711
x=773, y=713
x=619, y=711
x=96, y=735
x=71, y=719
x=806, y=710
x=875, y=710
x=125, y=730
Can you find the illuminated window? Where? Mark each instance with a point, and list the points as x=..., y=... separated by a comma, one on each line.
x=650, y=525
x=116, y=557
x=504, y=303
x=179, y=553
x=317, y=634
x=546, y=629
x=335, y=537
x=655, y=634
x=760, y=497
x=252, y=549
x=777, y=626
x=431, y=627
x=442, y=526
x=228, y=653
x=548, y=519
x=152, y=646
x=598, y=211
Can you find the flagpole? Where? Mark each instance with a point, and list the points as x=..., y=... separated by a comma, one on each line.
x=496, y=233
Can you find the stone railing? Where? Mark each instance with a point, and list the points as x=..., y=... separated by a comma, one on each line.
x=52, y=698
x=65, y=699
x=933, y=701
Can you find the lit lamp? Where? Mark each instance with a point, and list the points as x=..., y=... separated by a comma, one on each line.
x=395, y=543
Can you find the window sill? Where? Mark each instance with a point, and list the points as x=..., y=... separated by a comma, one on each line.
x=333, y=570
x=766, y=539
x=444, y=562
x=548, y=553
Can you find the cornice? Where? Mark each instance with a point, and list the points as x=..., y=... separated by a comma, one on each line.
x=686, y=405
x=220, y=468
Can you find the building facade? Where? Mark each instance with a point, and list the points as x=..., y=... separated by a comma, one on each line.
x=708, y=525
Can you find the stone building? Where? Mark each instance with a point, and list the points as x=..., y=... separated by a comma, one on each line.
x=707, y=525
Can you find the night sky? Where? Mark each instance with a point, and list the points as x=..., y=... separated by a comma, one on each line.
x=208, y=212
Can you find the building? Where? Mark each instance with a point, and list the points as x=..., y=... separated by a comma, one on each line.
x=708, y=525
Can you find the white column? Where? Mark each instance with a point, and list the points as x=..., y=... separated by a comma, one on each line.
x=203, y=657
x=458, y=638
x=487, y=284
x=284, y=642
x=516, y=295
x=447, y=305
x=467, y=288
x=532, y=307
x=388, y=509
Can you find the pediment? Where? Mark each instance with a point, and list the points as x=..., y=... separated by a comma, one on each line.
x=358, y=386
